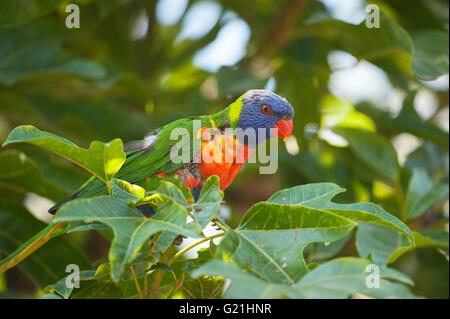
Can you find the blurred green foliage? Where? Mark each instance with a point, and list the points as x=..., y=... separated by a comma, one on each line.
x=102, y=82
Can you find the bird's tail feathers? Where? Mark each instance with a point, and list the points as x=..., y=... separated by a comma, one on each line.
x=55, y=208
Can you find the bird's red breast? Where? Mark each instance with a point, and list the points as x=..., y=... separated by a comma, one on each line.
x=221, y=155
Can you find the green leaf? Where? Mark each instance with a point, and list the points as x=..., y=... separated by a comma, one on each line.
x=19, y=173
x=409, y=121
x=41, y=47
x=342, y=277
x=319, y=196
x=422, y=193
x=323, y=251
x=55, y=170
x=390, y=47
x=169, y=190
x=131, y=229
x=192, y=288
x=88, y=280
x=237, y=81
x=61, y=287
x=203, y=210
x=202, y=288
x=430, y=53
x=374, y=150
x=81, y=226
x=50, y=296
x=428, y=268
x=424, y=238
x=17, y=12
x=243, y=284
x=208, y=203
x=372, y=214
x=339, y=278
x=43, y=266
x=98, y=289
x=102, y=160
x=316, y=195
x=432, y=157
x=386, y=246
x=126, y=191
x=271, y=238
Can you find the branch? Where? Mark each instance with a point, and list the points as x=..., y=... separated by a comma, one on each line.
x=280, y=32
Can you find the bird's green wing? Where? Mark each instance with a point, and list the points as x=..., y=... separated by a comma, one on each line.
x=147, y=159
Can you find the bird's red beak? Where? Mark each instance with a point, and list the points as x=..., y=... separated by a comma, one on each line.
x=284, y=128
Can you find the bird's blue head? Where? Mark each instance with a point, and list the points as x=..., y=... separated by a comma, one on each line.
x=263, y=109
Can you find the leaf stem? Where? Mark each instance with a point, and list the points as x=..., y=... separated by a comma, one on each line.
x=181, y=252
x=160, y=273
x=177, y=287
x=219, y=224
x=31, y=246
x=145, y=284
x=108, y=186
x=400, y=198
x=138, y=288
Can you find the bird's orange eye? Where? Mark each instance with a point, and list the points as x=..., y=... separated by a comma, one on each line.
x=265, y=109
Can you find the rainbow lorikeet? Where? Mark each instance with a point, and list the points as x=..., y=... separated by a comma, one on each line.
x=151, y=158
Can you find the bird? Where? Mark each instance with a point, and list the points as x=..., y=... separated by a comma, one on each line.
x=221, y=150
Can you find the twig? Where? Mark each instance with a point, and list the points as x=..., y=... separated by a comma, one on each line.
x=281, y=29
x=177, y=287
x=160, y=273
x=138, y=288
x=181, y=252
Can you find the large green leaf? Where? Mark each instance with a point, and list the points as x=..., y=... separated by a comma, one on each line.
x=40, y=46
x=342, y=277
x=271, y=238
x=194, y=288
x=63, y=289
x=102, y=160
x=319, y=196
x=428, y=268
x=208, y=203
x=98, y=284
x=88, y=279
x=390, y=47
x=126, y=191
x=44, y=266
x=385, y=245
x=430, y=53
x=16, y=12
x=243, y=284
x=432, y=157
x=422, y=193
x=316, y=195
x=98, y=289
x=339, y=278
x=407, y=120
x=202, y=211
x=236, y=81
x=55, y=170
x=19, y=173
x=323, y=251
x=131, y=229
x=374, y=150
